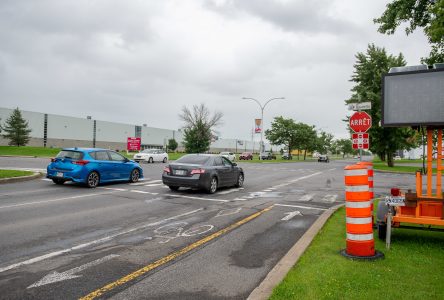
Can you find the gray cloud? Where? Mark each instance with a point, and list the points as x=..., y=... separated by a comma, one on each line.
x=141, y=61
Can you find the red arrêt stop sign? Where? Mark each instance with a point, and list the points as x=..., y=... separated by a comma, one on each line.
x=360, y=121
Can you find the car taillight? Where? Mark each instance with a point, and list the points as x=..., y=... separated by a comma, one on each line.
x=53, y=159
x=167, y=170
x=81, y=162
x=197, y=171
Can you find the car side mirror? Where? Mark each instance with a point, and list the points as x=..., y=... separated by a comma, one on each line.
x=234, y=164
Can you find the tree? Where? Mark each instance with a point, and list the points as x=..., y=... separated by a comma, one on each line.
x=428, y=14
x=324, y=142
x=345, y=146
x=16, y=129
x=282, y=132
x=198, y=127
x=369, y=68
x=172, y=145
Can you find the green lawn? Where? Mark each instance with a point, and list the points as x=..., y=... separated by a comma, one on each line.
x=412, y=269
x=14, y=173
x=29, y=151
x=397, y=168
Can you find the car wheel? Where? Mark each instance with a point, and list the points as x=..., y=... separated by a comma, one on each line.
x=135, y=175
x=164, y=160
x=58, y=181
x=93, y=179
x=212, y=187
x=240, y=180
x=173, y=188
x=150, y=160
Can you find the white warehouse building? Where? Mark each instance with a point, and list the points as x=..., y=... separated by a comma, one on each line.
x=48, y=130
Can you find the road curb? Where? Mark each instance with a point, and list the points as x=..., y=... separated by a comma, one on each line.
x=278, y=273
x=20, y=178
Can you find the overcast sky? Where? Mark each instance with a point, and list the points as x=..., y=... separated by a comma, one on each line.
x=141, y=61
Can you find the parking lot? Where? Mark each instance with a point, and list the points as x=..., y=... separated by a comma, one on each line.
x=70, y=241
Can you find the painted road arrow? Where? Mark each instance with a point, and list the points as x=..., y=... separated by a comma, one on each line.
x=290, y=215
x=70, y=274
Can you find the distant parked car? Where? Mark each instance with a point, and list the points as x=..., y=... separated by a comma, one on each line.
x=397, y=157
x=151, y=155
x=92, y=166
x=287, y=155
x=202, y=171
x=267, y=155
x=323, y=158
x=246, y=156
x=230, y=155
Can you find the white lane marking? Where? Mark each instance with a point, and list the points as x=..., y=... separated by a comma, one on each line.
x=53, y=200
x=239, y=199
x=230, y=191
x=196, y=198
x=70, y=274
x=329, y=198
x=307, y=197
x=146, y=181
x=153, y=184
x=291, y=215
x=295, y=180
x=46, y=179
x=227, y=212
x=114, y=189
x=267, y=190
x=300, y=206
x=143, y=192
x=94, y=242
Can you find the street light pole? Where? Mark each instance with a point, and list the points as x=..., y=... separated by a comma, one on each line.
x=262, y=116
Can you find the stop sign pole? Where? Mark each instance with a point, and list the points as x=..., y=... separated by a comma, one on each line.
x=360, y=122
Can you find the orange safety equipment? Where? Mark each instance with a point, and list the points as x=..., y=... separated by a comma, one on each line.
x=360, y=242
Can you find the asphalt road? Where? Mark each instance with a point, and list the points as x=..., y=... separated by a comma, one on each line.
x=142, y=241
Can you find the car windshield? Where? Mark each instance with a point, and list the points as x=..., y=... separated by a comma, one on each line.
x=194, y=159
x=74, y=155
x=148, y=151
x=224, y=153
x=245, y=153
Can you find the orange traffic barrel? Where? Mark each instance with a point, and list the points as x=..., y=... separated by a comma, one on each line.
x=369, y=166
x=359, y=225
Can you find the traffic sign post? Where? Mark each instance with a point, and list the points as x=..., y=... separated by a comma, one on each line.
x=360, y=122
x=360, y=140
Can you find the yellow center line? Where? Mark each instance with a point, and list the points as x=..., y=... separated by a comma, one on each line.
x=168, y=258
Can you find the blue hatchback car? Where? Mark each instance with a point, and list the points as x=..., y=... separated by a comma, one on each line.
x=92, y=166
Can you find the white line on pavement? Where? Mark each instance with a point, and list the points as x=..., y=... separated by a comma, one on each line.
x=153, y=184
x=196, y=198
x=104, y=239
x=229, y=191
x=300, y=206
x=143, y=192
x=53, y=200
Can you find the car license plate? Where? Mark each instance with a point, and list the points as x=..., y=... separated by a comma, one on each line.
x=181, y=172
x=59, y=174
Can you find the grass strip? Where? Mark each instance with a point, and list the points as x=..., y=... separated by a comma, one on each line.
x=29, y=151
x=14, y=173
x=412, y=268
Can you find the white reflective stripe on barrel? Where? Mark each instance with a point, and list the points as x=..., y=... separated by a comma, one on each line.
x=356, y=188
x=370, y=178
x=358, y=221
x=351, y=204
x=358, y=172
x=360, y=237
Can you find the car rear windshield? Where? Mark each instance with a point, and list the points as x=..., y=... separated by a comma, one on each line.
x=74, y=155
x=193, y=159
